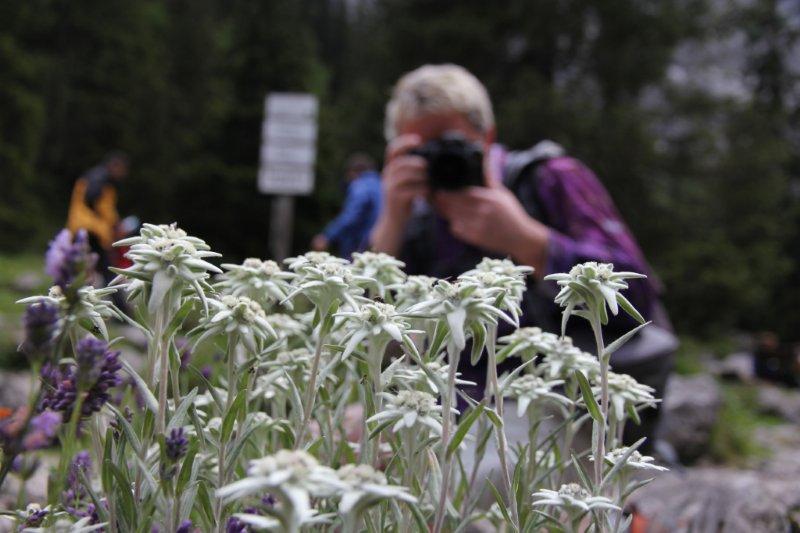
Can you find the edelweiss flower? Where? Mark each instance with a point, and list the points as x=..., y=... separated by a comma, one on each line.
x=240, y=316
x=409, y=408
x=563, y=359
x=509, y=290
x=625, y=393
x=90, y=305
x=164, y=259
x=324, y=279
x=380, y=271
x=413, y=290
x=285, y=326
x=635, y=461
x=528, y=342
x=366, y=486
x=292, y=476
x=503, y=267
x=530, y=389
x=594, y=286
x=379, y=322
x=262, y=281
x=463, y=304
x=572, y=497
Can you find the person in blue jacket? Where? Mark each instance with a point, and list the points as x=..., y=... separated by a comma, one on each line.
x=349, y=231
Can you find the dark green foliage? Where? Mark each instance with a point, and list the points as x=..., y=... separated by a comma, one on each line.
x=704, y=181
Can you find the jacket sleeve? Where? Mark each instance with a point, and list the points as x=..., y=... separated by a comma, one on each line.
x=351, y=216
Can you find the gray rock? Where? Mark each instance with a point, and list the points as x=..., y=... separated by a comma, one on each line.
x=14, y=388
x=718, y=499
x=737, y=366
x=778, y=401
x=690, y=409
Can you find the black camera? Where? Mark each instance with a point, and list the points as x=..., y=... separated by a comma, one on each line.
x=453, y=162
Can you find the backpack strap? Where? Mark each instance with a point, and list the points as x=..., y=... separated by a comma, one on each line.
x=520, y=175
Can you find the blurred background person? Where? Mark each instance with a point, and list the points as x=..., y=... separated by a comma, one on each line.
x=349, y=231
x=93, y=207
x=453, y=196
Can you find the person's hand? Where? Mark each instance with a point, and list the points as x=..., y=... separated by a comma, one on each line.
x=405, y=177
x=319, y=243
x=493, y=219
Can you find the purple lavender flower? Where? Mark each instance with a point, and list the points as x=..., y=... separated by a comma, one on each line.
x=185, y=527
x=41, y=430
x=36, y=516
x=176, y=444
x=234, y=525
x=75, y=495
x=68, y=259
x=41, y=322
x=95, y=374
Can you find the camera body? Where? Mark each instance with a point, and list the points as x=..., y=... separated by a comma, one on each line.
x=453, y=162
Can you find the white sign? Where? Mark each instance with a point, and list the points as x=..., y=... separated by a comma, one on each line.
x=288, y=144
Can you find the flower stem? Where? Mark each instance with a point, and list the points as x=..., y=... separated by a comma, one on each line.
x=600, y=445
x=502, y=444
x=311, y=392
x=453, y=356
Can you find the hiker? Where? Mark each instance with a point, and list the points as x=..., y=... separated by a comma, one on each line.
x=349, y=231
x=93, y=207
x=452, y=195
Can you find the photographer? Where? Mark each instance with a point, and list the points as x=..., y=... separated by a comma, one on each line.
x=453, y=196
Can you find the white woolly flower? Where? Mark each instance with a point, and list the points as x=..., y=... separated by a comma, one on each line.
x=294, y=476
x=562, y=359
x=413, y=290
x=410, y=408
x=376, y=321
x=634, y=461
x=289, y=363
x=528, y=342
x=411, y=376
x=503, y=267
x=262, y=281
x=508, y=289
x=594, y=286
x=365, y=487
x=286, y=326
x=241, y=317
x=625, y=393
x=572, y=497
x=90, y=305
x=530, y=389
x=463, y=304
x=165, y=259
x=379, y=271
x=324, y=279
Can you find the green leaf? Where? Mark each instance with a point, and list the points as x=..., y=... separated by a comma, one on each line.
x=214, y=394
x=149, y=400
x=127, y=430
x=179, y=416
x=463, y=428
x=617, y=344
x=185, y=474
x=620, y=464
x=180, y=316
x=628, y=307
x=230, y=417
x=478, y=342
x=125, y=497
x=500, y=503
x=588, y=397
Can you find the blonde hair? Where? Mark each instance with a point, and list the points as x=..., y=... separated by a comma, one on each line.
x=439, y=89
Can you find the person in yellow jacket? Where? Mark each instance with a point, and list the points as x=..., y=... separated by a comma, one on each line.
x=93, y=206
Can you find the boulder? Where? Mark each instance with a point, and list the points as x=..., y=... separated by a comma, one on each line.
x=778, y=401
x=689, y=411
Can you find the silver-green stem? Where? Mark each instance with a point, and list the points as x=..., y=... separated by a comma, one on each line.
x=502, y=444
x=600, y=445
x=453, y=356
x=311, y=392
